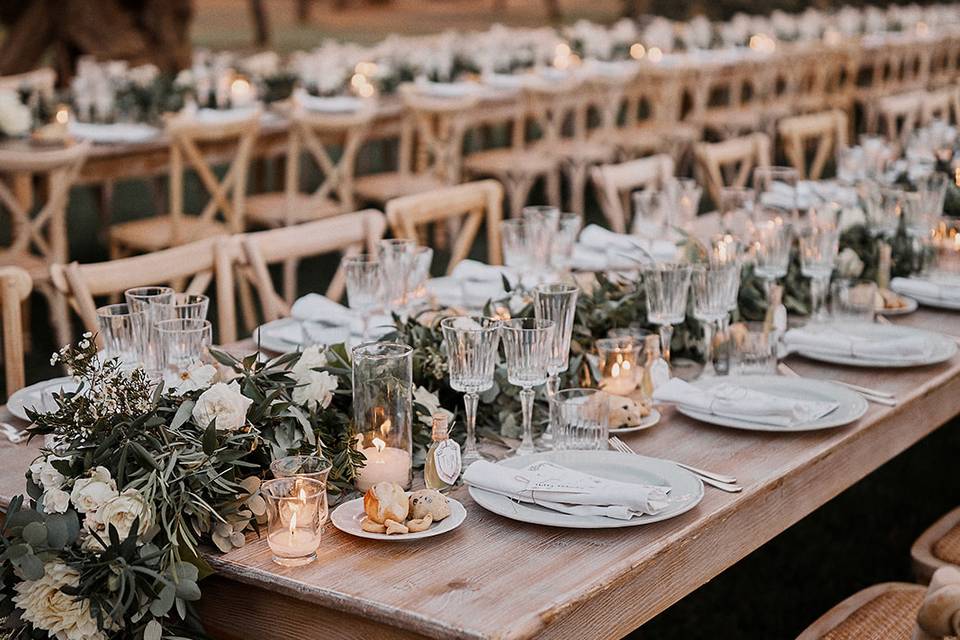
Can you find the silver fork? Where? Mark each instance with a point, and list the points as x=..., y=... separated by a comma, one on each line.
x=722, y=482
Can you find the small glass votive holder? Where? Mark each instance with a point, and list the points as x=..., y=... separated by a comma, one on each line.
x=635, y=331
x=313, y=467
x=853, y=300
x=296, y=513
x=124, y=334
x=583, y=420
x=183, y=343
x=190, y=306
x=753, y=350
x=619, y=364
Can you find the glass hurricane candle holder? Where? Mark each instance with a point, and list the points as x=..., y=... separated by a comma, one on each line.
x=296, y=513
x=619, y=363
x=313, y=467
x=383, y=412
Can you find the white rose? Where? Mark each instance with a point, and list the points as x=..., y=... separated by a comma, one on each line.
x=120, y=511
x=50, y=478
x=199, y=376
x=35, y=468
x=849, y=264
x=313, y=357
x=55, y=501
x=90, y=493
x=47, y=607
x=315, y=389
x=224, y=404
x=15, y=117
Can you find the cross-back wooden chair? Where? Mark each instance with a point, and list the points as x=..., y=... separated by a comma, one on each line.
x=942, y=104
x=730, y=163
x=471, y=204
x=38, y=233
x=730, y=100
x=896, y=115
x=313, y=132
x=895, y=611
x=827, y=129
x=615, y=182
x=15, y=287
x=938, y=546
x=197, y=262
x=348, y=234
x=430, y=147
x=223, y=213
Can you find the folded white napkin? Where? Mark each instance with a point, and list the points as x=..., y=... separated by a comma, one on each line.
x=620, y=250
x=835, y=339
x=297, y=333
x=324, y=317
x=561, y=489
x=446, y=290
x=475, y=271
x=328, y=104
x=587, y=259
x=223, y=116
x=927, y=289
x=732, y=401
x=113, y=133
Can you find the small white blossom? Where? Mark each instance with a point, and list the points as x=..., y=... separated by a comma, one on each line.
x=199, y=376
x=55, y=501
x=315, y=389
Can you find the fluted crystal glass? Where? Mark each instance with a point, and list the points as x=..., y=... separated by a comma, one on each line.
x=543, y=223
x=556, y=302
x=123, y=331
x=561, y=254
x=712, y=287
x=471, y=345
x=183, y=343
x=583, y=419
x=819, y=244
x=527, y=343
x=190, y=306
x=158, y=304
x=776, y=190
x=397, y=259
x=684, y=195
x=771, y=241
x=364, y=277
x=666, y=286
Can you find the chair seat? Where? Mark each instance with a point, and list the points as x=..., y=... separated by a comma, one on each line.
x=584, y=151
x=885, y=611
x=501, y=162
x=36, y=266
x=381, y=187
x=650, y=138
x=937, y=546
x=269, y=209
x=155, y=233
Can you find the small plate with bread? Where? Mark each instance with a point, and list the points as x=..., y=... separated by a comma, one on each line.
x=387, y=512
x=891, y=303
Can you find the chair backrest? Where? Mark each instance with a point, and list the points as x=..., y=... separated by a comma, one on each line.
x=227, y=196
x=349, y=234
x=196, y=262
x=15, y=287
x=43, y=233
x=556, y=108
x=730, y=163
x=942, y=104
x=828, y=129
x=939, y=614
x=41, y=81
x=614, y=183
x=308, y=130
x=440, y=124
x=900, y=113
x=471, y=203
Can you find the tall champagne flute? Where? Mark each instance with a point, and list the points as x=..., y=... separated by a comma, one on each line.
x=471, y=345
x=711, y=286
x=556, y=302
x=364, y=275
x=666, y=286
x=527, y=343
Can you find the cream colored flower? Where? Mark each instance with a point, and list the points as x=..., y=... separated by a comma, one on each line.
x=313, y=357
x=90, y=493
x=55, y=501
x=199, y=376
x=15, y=117
x=430, y=401
x=48, y=608
x=120, y=511
x=224, y=404
x=50, y=478
x=849, y=264
x=315, y=389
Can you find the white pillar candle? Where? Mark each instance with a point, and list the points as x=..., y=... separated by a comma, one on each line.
x=384, y=464
x=241, y=93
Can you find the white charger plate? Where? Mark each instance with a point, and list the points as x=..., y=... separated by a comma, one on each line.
x=652, y=419
x=348, y=516
x=32, y=397
x=944, y=347
x=685, y=488
x=852, y=404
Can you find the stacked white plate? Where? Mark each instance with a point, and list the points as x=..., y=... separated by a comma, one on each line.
x=38, y=397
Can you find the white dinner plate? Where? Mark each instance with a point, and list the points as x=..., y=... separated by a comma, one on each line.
x=910, y=308
x=929, y=301
x=348, y=516
x=686, y=490
x=32, y=397
x=650, y=420
x=943, y=349
x=852, y=404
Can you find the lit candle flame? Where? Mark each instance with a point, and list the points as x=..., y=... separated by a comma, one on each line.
x=379, y=444
x=385, y=428
x=293, y=524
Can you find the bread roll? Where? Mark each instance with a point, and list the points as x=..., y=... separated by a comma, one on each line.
x=386, y=501
x=429, y=502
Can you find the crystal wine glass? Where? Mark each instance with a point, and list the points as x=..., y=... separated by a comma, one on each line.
x=515, y=236
x=556, y=302
x=712, y=287
x=561, y=253
x=471, y=345
x=771, y=251
x=527, y=343
x=776, y=190
x=396, y=258
x=819, y=244
x=666, y=286
x=684, y=195
x=364, y=275
x=543, y=222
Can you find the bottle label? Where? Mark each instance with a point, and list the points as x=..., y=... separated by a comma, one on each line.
x=659, y=373
x=446, y=460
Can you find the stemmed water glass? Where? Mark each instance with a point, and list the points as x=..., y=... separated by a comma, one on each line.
x=683, y=195
x=527, y=343
x=397, y=259
x=543, y=223
x=666, y=286
x=776, y=190
x=819, y=244
x=516, y=239
x=556, y=302
x=471, y=345
x=418, y=275
x=561, y=253
x=713, y=286
x=364, y=276
x=771, y=251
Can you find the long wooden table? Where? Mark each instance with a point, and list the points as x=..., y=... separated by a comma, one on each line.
x=496, y=578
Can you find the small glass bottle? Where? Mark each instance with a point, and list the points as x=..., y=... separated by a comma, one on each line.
x=442, y=468
x=656, y=371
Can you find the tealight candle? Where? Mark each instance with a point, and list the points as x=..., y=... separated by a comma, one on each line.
x=296, y=513
x=618, y=365
x=241, y=93
x=384, y=464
